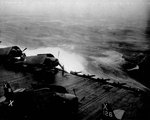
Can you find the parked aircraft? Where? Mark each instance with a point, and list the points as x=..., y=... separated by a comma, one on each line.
x=39, y=102
x=41, y=62
x=12, y=55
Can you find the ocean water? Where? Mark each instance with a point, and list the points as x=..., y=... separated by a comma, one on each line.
x=91, y=49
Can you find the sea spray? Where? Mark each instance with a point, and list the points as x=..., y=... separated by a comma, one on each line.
x=71, y=61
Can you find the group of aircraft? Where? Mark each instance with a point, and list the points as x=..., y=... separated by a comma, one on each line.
x=22, y=103
x=43, y=100
x=14, y=56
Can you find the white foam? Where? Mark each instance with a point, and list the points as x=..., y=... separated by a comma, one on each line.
x=71, y=61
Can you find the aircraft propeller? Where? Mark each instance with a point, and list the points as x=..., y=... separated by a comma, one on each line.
x=24, y=49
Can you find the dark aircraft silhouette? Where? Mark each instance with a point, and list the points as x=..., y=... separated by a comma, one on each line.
x=41, y=62
x=138, y=62
x=43, y=101
x=138, y=68
x=11, y=55
x=15, y=57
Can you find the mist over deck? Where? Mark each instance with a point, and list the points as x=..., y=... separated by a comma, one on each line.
x=96, y=35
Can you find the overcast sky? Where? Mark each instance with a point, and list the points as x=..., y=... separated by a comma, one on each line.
x=82, y=9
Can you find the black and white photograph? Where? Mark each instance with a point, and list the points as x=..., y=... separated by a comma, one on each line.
x=74, y=59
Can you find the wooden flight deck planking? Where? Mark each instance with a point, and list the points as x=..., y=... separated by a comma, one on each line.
x=92, y=94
